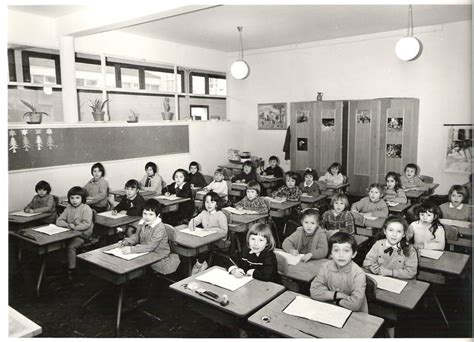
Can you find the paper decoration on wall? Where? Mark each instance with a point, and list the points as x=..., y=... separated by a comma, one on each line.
x=49, y=139
x=302, y=144
x=13, y=144
x=327, y=125
x=302, y=116
x=272, y=116
x=394, y=151
x=26, y=141
x=39, y=141
x=459, y=150
x=363, y=116
x=394, y=124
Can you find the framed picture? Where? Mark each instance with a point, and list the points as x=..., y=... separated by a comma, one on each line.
x=363, y=116
x=394, y=151
x=459, y=150
x=272, y=116
x=394, y=124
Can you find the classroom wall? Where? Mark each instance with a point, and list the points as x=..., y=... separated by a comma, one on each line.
x=208, y=142
x=363, y=67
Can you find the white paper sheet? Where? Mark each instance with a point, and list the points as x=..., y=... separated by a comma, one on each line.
x=109, y=215
x=271, y=199
x=51, y=229
x=169, y=198
x=22, y=213
x=268, y=177
x=325, y=313
x=389, y=284
x=239, y=212
x=198, y=232
x=429, y=253
x=371, y=218
x=290, y=259
x=456, y=223
x=223, y=279
x=118, y=252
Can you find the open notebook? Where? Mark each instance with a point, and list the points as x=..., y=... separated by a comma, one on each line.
x=223, y=279
x=109, y=215
x=333, y=315
x=22, y=213
x=389, y=284
x=51, y=229
x=117, y=251
x=198, y=232
x=431, y=254
x=275, y=200
x=238, y=212
x=169, y=198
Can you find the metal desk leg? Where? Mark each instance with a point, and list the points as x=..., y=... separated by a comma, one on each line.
x=40, y=276
x=119, y=309
x=87, y=302
x=435, y=296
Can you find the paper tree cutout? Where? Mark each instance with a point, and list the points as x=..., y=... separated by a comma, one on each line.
x=39, y=141
x=49, y=139
x=13, y=144
x=26, y=141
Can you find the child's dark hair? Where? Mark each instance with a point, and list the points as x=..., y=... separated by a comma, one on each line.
x=293, y=175
x=249, y=163
x=194, y=163
x=98, y=166
x=431, y=207
x=132, y=183
x=253, y=185
x=264, y=230
x=77, y=190
x=342, y=237
x=183, y=172
x=460, y=189
x=310, y=212
x=411, y=166
x=404, y=245
x=153, y=166
x=335, y=164
x=396, y=178
x=214, y=198
x=376, y=186
x=152, y=205
x=340, y=197
x=311, y=172
x=274, y=158
x=43, y=185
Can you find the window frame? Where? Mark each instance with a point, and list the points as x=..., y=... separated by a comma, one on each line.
x=206, y=76
x=25, y=61
x=199, y=106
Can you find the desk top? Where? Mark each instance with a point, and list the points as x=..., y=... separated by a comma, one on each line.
x=337, y=187
x=239, y=186
x=115, y=222
x=399, y=208
x=359, y=324
x=284, y=205
x=21, y=326
x=246, y=218
x=115, y=264
x=44, y=239
x=144, y=193
x=234, y=166
x=418, y=193
x=192, y=241
x=242, y=302
x=263, y=179
x=377, y=223
x=24, y=219
x=408, y=298
x=449, y=262
x=312, y=199
x=168, y=202
x=304, y=271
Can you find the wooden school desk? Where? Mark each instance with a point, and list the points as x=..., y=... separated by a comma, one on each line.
x=332, y=189
x=371, y=227
x=17, y=222
x=189, y=246
x=42, y=245
x=269, y=183
x=436, y=272
x=238, y=190
x=108, y=225
x=359, y=324
x=21, y=326
x=312, y=199
x=116, y=271
x=240, y=224
x=462, y=231
x=242, y=302
x=399, y=209
x=281, y=210
x=234, y=167
x=171, y=204
x=415, y=195
x=118, y=194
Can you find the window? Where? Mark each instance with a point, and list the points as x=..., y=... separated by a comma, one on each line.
x=199, y=112
x=161, y=80
x=39, y=67
x=198, y=85
x=217, y=86
x=129, y=78
x=207, y=84
x=11, y=65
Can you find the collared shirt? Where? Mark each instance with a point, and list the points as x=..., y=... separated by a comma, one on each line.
x=316, y=244
x=424, y=237
x=461, y=212
x=150, y=238
x=97, y=191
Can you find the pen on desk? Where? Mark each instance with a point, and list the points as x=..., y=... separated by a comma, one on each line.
x=307, y=333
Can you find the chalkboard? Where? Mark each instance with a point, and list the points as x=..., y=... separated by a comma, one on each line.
x=95, y=144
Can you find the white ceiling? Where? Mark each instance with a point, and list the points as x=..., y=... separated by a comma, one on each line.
x=50, y=11
x=268, y=26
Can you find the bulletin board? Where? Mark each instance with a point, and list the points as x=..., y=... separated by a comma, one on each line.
x=77, y=145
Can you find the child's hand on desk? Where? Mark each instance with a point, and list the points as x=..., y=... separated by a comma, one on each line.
x=28, y=211
x=237, y=181
x=385, y=271
x=238, y=273
x=294, y=252
x=307, y=257
x=114, y=212
x=167, y=194
x=239, y=207
x=264, y=173
x=126, y=250
x=375, y=269
x=205, y=188
x=341, y=295
x=71, y=225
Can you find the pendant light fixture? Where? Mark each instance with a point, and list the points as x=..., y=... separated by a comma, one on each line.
x=409, y=47
x=240, y=69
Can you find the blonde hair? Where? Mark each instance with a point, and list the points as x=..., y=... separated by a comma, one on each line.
x=264, y=230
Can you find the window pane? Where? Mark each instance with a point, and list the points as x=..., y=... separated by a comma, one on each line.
x=42, y=70
x=130, y=78
x=217, y=86
x=158, y=80
x=88, y=74
x=199, y=113
x=199, y=85
x=110, y=77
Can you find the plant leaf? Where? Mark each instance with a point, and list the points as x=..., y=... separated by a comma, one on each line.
x=30, y=106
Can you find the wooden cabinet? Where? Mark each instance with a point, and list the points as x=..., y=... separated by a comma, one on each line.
x=368, y=137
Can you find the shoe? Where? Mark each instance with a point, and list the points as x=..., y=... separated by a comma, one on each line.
x=196, y=268
x=203, y=267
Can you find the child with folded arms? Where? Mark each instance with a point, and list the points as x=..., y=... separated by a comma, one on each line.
x=252, y=201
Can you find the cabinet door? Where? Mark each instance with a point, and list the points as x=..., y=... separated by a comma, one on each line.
x=302, y=142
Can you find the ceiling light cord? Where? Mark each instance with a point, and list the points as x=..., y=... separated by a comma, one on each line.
x=410, y=21
x=241, y=54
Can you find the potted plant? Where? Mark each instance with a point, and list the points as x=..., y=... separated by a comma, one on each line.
x=166, y=115
x=34, y=117
x=133, y=117
x=98, y=109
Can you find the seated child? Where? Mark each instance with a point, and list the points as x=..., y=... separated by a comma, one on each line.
x=393, y=192
x=252, y=201
x=393, y=256
x=151, y=236
x=97, y=189
x=132, y=203
x=77, y=216
x=219, y=185
x=211, y=218
x=371, y=206
x=308, y=239
x=333, y=176
x=274, y=168
x=258, y=259
x=151, y=181
x=411, y=181
x=43, y=202
x=309, y=185
x=181, y=188
x=341, y=280
x=338, y=219
x=248, y=173
x=457, y=208
x=289, y=191
x=428, y=233
x=196, y=179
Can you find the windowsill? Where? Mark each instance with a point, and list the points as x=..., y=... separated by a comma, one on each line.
x=23, y=125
